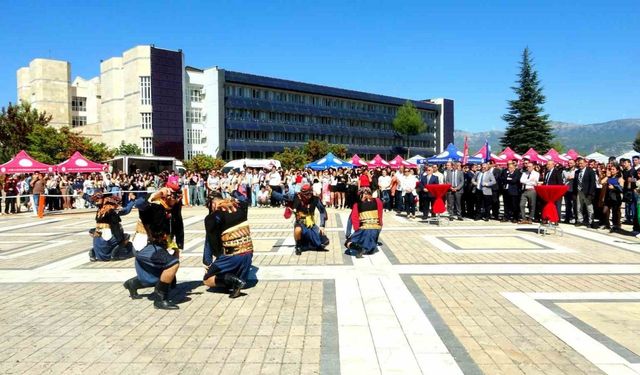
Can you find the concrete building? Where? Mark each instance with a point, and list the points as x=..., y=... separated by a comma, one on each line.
x=149, y=97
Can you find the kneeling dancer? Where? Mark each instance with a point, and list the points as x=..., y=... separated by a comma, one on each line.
x=366, y=220
x=305, y=231
x=110, y=242
x=229, y=241
x=155, y=265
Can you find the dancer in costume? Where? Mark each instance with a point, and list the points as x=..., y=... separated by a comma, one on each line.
x=366, y=220
x=305, y=231
x=229, y=241
x=158, y=262
x=110, y=242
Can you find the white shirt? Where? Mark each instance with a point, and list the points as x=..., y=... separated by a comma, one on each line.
x=384, y=182
x=529, y=179
x=408, y=184
x=274, y=179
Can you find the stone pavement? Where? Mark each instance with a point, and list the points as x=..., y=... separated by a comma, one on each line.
x=462, y=298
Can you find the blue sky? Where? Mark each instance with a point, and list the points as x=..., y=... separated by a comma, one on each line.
x=587, y=55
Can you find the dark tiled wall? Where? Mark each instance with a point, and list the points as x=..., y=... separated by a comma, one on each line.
x=448, y=121
x=166, y=99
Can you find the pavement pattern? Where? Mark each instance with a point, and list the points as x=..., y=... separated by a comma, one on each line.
x=461, y=297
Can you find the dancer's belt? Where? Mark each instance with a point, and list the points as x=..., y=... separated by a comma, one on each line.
x=369, y=220
x=140, y=228
x=102, y=226
x=237, y=240
x=304, y=219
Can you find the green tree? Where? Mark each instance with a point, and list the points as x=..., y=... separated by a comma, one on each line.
x=292, y=158
x=314, y=150
x=128, y=149
x=636, y=143
x=16, y=123
x=338, y=150
x=53, y=146
x=557, y=145
x=527, y=125
x=408, y=122
x=202, y=163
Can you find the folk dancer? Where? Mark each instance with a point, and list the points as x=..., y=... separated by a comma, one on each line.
x=228, y=239
x=158, y=262
x=305, y=231
x=366, y=220
x=110, y=242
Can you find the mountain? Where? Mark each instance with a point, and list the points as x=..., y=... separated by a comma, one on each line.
x=610, y=138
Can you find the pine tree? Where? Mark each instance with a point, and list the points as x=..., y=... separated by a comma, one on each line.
x=527, y=125
x=636, y=143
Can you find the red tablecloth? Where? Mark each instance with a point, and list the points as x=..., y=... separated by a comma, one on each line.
x=438, y=191
x=550, y=194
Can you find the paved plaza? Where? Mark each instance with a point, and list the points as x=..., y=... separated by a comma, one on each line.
x=461, y=298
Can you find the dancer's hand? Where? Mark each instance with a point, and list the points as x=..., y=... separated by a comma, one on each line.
x=322, y=231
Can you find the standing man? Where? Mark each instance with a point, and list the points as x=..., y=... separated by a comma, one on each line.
x=485, y=180
x=495, y=190
x=529, y=181
x=553, y=176
x=454, y=177
x=584, y=190
x=37, y=187
x=511, y=192
x=567, y=178
x=427, y=178
x=10, y=192
x=468, y=197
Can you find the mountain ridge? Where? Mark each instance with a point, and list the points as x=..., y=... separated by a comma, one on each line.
x=612, y=137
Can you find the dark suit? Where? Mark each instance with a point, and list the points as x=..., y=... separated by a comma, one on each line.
x=584, y=190
x=554, y=177
x=495, y=193
x=511, y=186
x=426, y=196
x=454, y=199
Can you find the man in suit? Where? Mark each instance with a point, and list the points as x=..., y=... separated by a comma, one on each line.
x=454, y=176
x=511, y=186
x=567, y=178
x=529, y=180
x=468, y=196
x=553, y=176
x=495, y=190
x=484, y=181
x=584, y=190
x=427, y=178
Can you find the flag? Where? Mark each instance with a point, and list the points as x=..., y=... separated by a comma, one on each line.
x=465, y=151
x=487, y=150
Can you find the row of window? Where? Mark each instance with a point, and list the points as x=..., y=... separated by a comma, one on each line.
x=147, y=146
x=194, y=137
x=146, y=120
x=192, y=153
x=77, y=121
x=196, y=95
x=297, y=119
x=314, y=100
x=261, y=136
x=78, y=103
x=145, y=90
x=194, y=116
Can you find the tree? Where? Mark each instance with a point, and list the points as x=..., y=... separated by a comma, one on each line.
x=636, y=143
x=201, y=163
x=558, y=146
x=314, y=150
x=16, y=123
x=408, y=122
x=527, y=125
x=292, y=158
x=128, y=149
x=338, y=150
x=53, y=146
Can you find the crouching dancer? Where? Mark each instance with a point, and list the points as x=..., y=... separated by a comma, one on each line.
x=155, y=264
x=229, y=241
x=110, y=242
x=366, y=220
x=305, y=231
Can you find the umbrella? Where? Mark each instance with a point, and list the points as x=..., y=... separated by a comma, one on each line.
x=329, y=161
x=378, y=162
x=507, y=155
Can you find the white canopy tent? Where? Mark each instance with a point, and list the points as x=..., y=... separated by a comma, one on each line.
x=628, y=155
x=252, y=163
x=600, y=158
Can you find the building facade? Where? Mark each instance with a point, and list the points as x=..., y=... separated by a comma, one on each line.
x=149, y=97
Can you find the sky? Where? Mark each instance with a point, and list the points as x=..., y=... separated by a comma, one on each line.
x=587, y=53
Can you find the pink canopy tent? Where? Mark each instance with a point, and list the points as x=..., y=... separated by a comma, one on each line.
x=572, y=154
x=533, y=156
x=398, y=162
x=482, y=154
x=508, y=155
x=23, y=163
x=79, y=164
x=552, y=154
x=378, y=162
x=355, y=160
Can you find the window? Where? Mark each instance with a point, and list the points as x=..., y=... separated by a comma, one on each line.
x=145, y=90
x=194, y=136
x=78, y=103
x=147, y=146
x=146, y=120
x=196, y=95
x=194, y=116
x=78, y=121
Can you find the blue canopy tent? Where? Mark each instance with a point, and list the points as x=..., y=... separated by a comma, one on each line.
x=451, y=154
x=329, y=161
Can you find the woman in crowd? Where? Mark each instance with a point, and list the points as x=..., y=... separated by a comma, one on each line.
x=612, y=183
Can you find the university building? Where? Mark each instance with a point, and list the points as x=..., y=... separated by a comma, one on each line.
x=148, y=96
